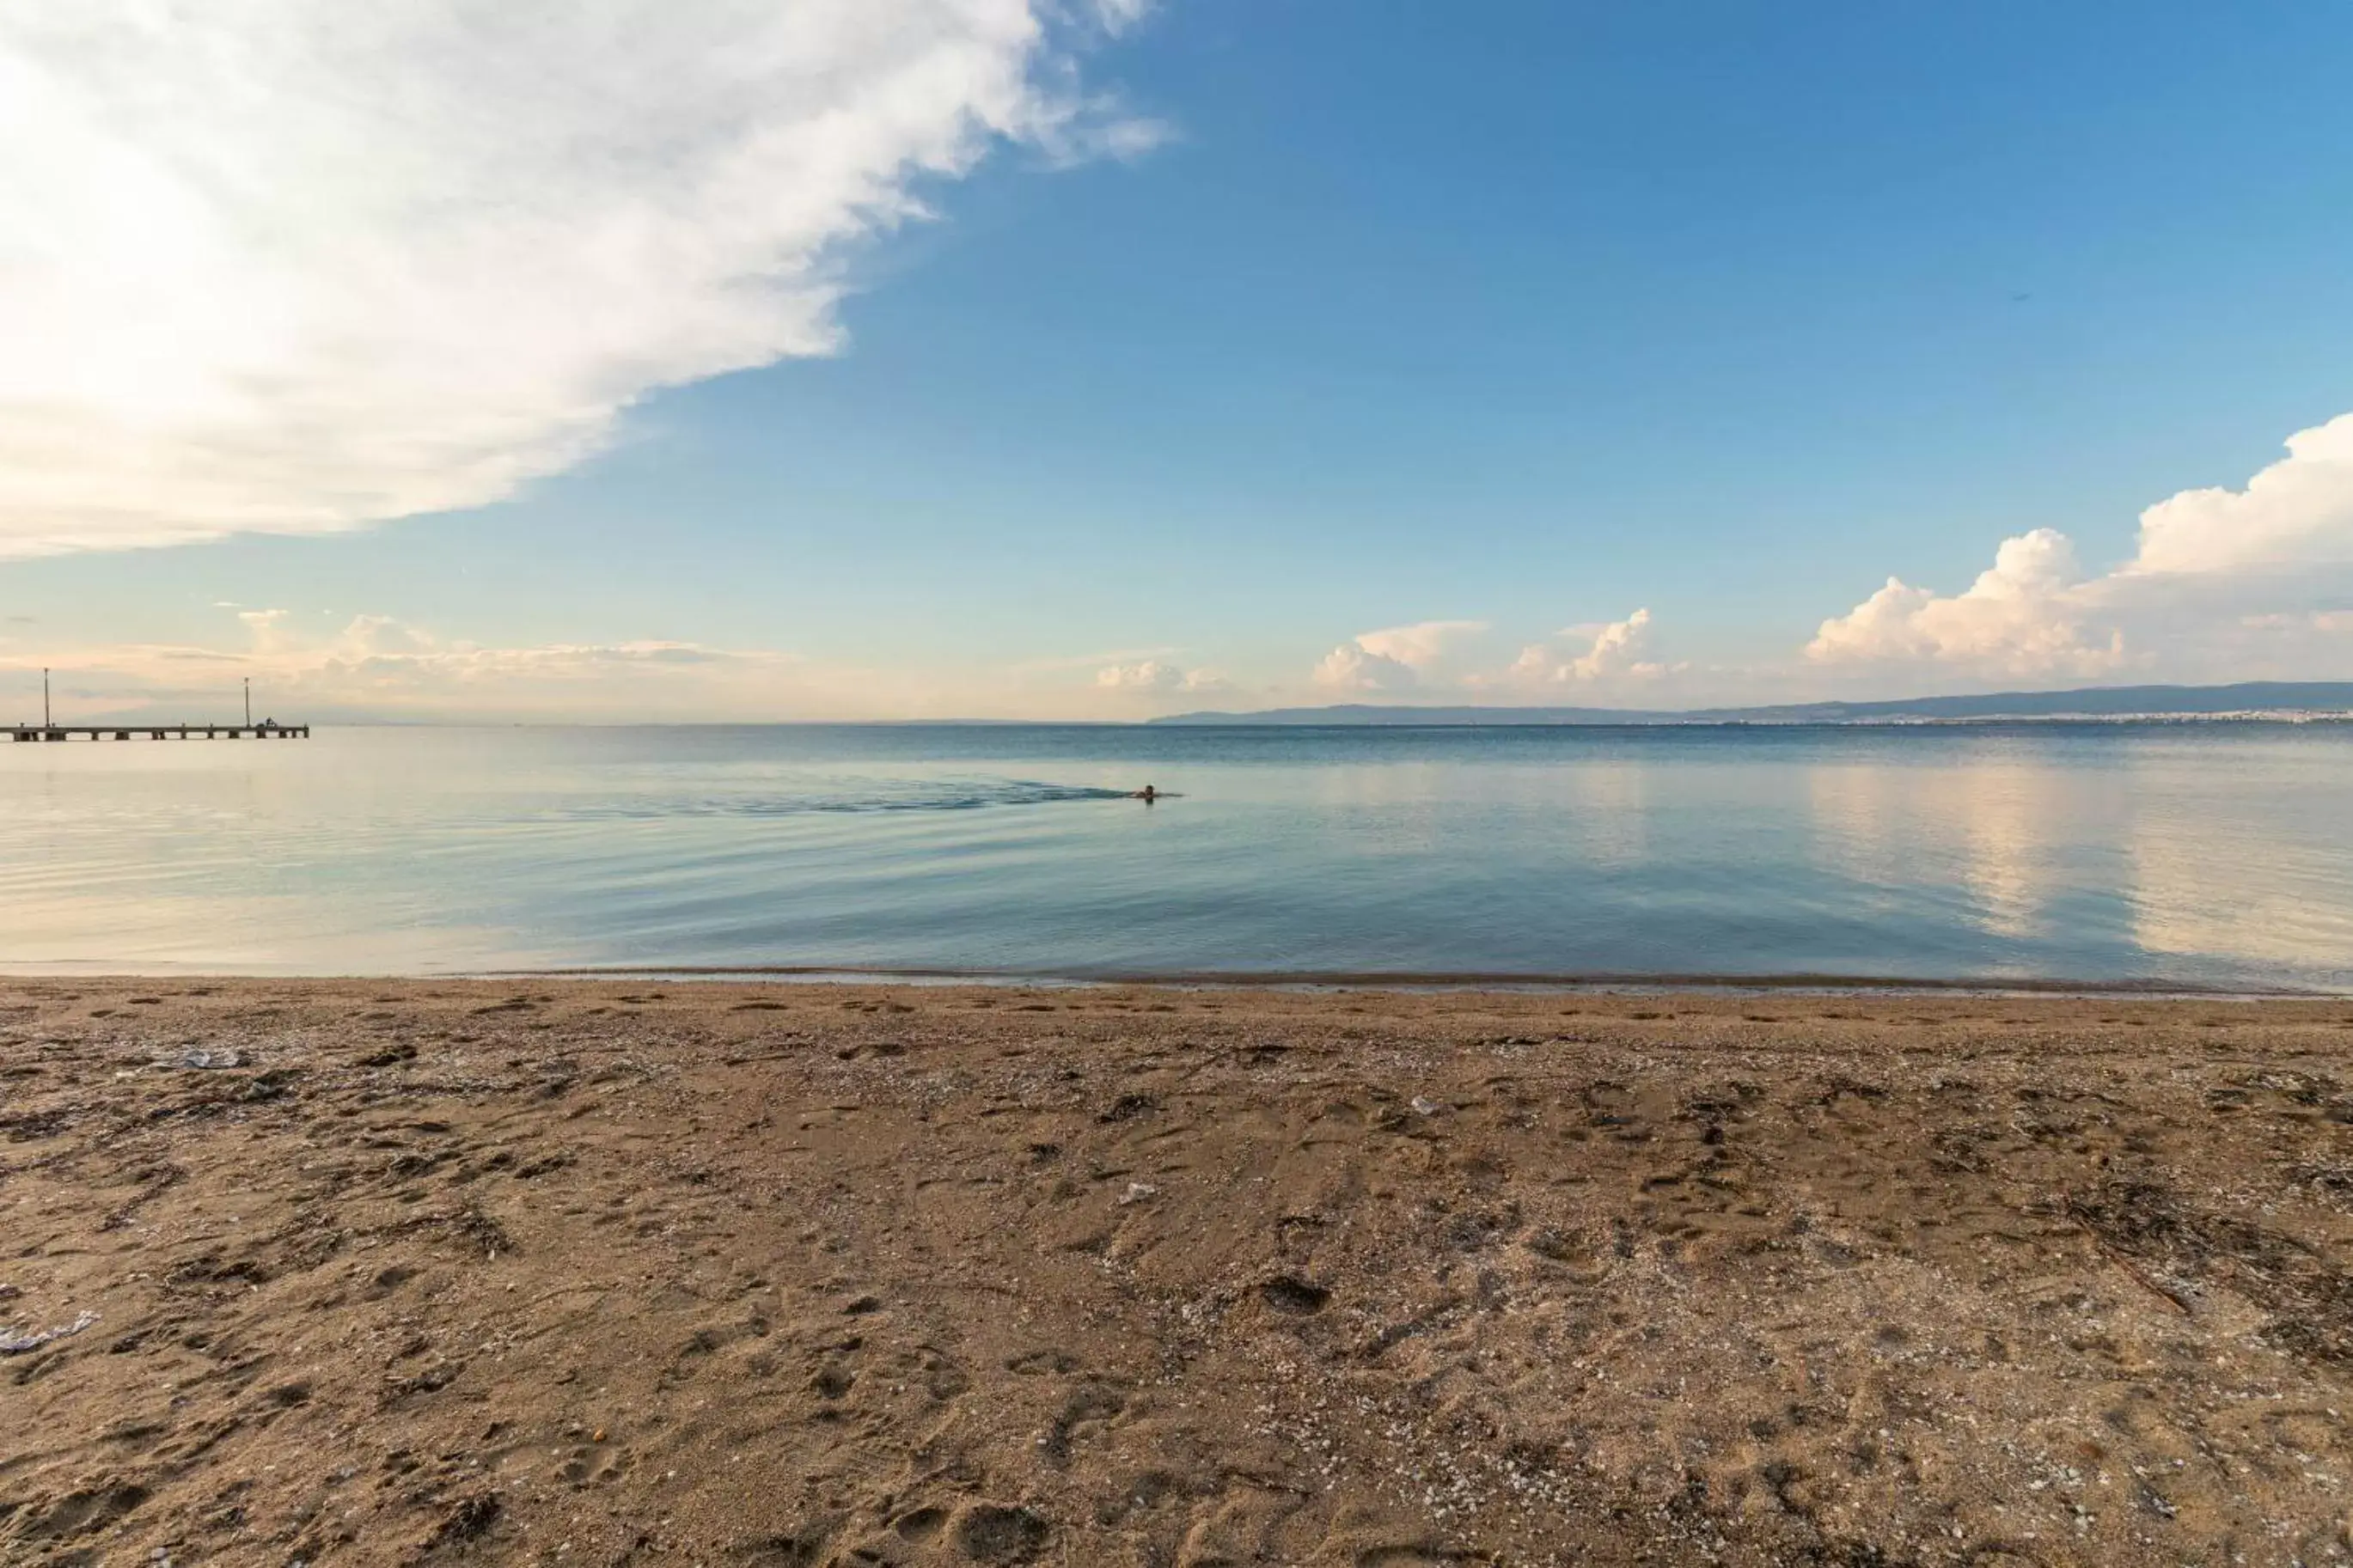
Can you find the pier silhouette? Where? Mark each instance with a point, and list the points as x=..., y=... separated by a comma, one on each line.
x=266, y=729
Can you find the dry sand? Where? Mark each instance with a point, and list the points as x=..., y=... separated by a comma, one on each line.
x=596, y=1273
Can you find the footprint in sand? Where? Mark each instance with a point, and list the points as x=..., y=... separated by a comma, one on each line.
x=989, y=1533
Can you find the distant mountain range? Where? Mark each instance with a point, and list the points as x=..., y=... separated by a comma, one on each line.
x=2247, y=700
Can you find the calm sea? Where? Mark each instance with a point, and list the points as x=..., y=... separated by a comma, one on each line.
x=2214, y=855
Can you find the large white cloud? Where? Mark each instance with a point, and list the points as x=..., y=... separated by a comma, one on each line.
x=1351, y=668
x=2297, y=512
x=1395, y=658
x=1616, y=649
x=2217, y=574
x=1422, y=645
x=1157, y=676
x=295, y=266
x=2024, y=615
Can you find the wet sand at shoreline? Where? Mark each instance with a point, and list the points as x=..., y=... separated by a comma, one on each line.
x=603, y=1272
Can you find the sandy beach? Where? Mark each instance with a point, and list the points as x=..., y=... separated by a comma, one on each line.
x=605, y=1272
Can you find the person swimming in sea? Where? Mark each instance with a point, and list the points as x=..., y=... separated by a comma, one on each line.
x=1147, y=794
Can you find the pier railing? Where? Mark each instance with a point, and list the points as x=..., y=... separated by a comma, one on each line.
x=160, y=732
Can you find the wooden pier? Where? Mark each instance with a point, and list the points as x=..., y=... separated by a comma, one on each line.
x=49, y=729
x=161, y=732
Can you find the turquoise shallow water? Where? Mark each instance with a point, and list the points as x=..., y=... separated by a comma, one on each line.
x=2209, y=855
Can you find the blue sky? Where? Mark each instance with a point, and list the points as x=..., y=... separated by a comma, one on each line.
x=1263, y=353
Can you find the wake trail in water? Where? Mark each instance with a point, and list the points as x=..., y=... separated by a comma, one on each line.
x=868, y=798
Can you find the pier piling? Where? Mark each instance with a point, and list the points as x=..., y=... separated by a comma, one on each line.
x=167, y=732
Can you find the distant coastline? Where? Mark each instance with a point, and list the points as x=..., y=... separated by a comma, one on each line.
x=2261, y=702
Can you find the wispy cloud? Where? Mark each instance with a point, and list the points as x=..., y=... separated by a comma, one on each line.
x=293, y=266
x=381, y=667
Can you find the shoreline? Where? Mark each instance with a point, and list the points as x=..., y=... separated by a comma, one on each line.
x=1373, y=981
x=1369, y=981
x=566, y=1271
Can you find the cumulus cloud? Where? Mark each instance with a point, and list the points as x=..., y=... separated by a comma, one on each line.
x=2217, y=574
x=1619, y=648
x=1422, y=645
x=1156, y=675
x=2026, y=615
x=295, y=266
x=1395, y=658
x=2298, y=511
x=1354, y=667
